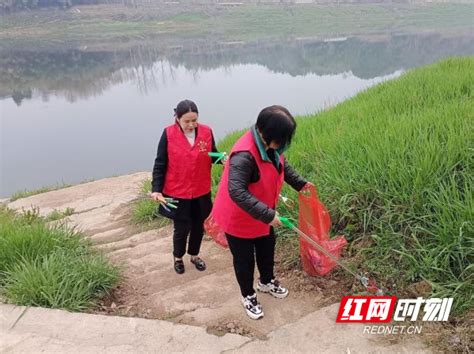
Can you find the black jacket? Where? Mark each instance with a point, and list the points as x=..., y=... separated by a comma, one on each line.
x=243, y=170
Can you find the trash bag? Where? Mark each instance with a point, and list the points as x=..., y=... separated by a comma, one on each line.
x=315, y=222
x=213, y=230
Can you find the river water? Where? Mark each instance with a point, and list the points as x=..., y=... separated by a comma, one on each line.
x=76, y=114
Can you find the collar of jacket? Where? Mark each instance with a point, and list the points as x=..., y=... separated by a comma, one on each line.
x=261, y=148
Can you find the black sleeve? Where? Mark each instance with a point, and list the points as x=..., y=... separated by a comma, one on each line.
x=241, y=167
x=161, y=162
x=214, y=149
x=292, y=178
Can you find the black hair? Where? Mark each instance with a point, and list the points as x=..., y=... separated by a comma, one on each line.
x=184, y=107
x=276, y=123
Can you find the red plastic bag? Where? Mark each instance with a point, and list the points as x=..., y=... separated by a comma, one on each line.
x=315, y=222
x=213, y=230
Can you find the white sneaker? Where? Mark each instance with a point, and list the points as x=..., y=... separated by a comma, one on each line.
x=252, y=307
x=274, y=288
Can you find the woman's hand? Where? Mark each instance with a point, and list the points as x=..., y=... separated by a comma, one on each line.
x=276, y=220
x=158, y=197
x=306, y=188
x=225, y=158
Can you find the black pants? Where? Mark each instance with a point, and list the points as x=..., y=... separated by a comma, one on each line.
x=182, y=229
x=188, y=221
x=244, y=252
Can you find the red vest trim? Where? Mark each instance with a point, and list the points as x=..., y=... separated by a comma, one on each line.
x=188, y=173
x=227, y=214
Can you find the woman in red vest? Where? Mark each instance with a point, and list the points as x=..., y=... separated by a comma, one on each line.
x=245, y=204
x=182, y=171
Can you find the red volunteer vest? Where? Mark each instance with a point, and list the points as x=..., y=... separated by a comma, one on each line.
x=227, y=214
x=188, y=174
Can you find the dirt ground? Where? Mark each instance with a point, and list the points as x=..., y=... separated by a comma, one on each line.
x=151, y=289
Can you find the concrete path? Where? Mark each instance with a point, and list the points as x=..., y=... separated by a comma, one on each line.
x=44, y=330
x=36, y=330
x=151, y=289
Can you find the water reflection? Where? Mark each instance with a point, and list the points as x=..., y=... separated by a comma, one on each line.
x=76, y=74
x=366, y=57
x=73, y=115
x=48, y=142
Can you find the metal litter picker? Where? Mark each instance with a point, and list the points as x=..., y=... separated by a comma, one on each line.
x=366, y=282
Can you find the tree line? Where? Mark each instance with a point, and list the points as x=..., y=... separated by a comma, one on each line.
x=7, y=6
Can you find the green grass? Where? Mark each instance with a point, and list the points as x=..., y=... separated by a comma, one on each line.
x=26, y=193
x=50, y=266
x=394, y=165
x=252, y=21
x=145, y=210
x=58, y=214
x=114, y=23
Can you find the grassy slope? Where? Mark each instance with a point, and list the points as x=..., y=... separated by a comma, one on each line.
x=49, y=266
x=121, y=24
x=394, y=165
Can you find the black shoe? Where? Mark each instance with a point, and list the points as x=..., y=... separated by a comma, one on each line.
x=179, y=266
x=199, y=263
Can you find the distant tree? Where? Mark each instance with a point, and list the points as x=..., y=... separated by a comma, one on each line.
x=18, y=96
x=7, y=6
